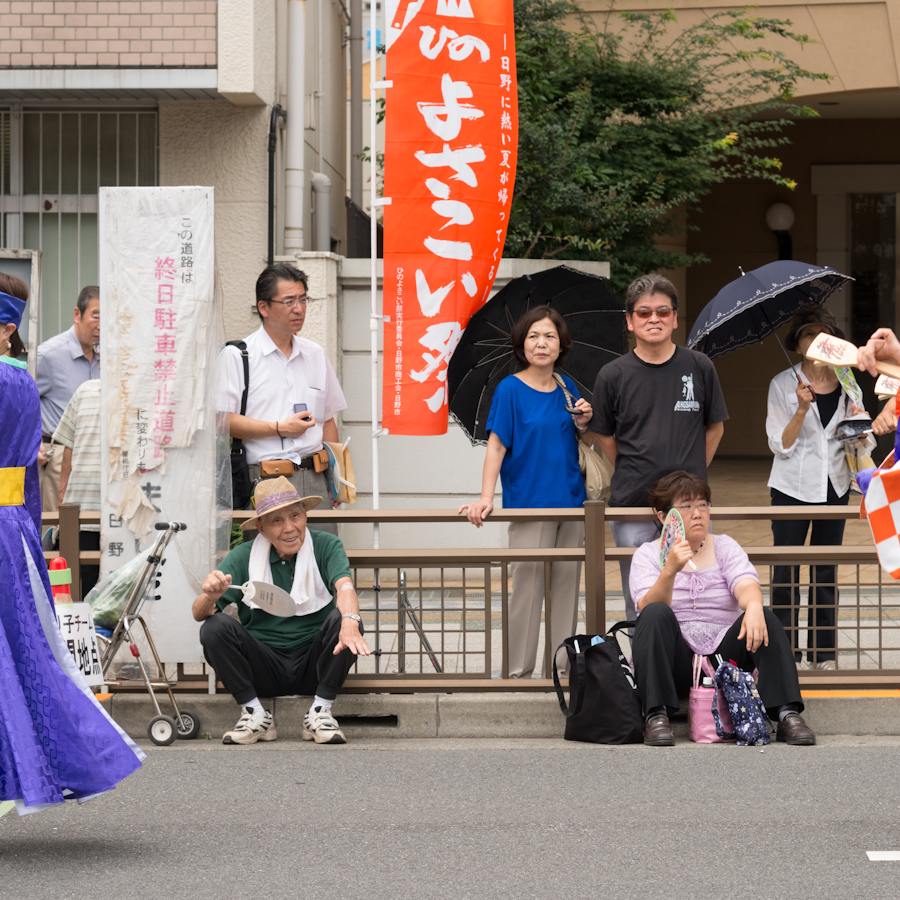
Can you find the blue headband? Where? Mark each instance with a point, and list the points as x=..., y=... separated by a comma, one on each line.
x=11, y=309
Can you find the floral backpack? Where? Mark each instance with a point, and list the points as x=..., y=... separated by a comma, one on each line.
x=751, y=723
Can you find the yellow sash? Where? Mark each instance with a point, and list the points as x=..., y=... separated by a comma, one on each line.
x=12, y=486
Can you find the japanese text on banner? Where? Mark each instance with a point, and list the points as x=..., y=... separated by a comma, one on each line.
x=450, y=160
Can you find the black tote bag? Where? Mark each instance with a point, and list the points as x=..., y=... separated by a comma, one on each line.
x=604, y=706
x=241, y=487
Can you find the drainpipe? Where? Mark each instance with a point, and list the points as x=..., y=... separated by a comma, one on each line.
x=321, y=185
x=296, y=100
x=277, y=113
x=320, y=93
x=356, y=140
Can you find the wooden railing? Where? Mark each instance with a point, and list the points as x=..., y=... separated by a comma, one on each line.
x=869, y=623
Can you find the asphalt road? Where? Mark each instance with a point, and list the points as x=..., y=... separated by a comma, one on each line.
x=474, y=819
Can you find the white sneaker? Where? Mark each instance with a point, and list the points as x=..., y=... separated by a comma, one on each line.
x=828, y=664
x=251, y=727
x=320, y=725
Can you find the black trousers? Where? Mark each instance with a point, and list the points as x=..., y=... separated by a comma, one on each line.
x=663, y=661
x=823, y=598
x=249, y=668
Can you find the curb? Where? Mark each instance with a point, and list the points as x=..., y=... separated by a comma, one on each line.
x=508, y=715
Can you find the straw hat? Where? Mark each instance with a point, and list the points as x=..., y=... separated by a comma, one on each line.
x=276, y=493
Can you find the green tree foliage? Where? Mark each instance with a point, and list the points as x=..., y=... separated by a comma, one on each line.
x=624, y=127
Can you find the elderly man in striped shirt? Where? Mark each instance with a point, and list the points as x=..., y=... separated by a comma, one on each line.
x=79, y=434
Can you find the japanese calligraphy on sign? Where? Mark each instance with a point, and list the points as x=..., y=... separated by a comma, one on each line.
x=76, y=625
x=163, y=333
x=158, y=360
x=451, y=133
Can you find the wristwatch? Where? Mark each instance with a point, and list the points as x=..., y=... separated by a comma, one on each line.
x=353, y=616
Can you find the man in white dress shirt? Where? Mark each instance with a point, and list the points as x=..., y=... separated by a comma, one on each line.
x=285, y=370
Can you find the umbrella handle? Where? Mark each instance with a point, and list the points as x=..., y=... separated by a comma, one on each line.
x=762, y=309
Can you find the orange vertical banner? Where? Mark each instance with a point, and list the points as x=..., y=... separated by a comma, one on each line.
x=451, y=132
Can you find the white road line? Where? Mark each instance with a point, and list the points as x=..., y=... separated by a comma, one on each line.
x=883, y=855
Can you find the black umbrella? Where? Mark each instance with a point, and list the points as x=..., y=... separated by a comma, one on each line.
x=755, y=305
x=484, y=357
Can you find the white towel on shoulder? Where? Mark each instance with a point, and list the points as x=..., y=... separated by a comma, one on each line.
x=308, y=589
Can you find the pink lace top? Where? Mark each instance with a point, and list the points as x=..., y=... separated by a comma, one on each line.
x=703, y=601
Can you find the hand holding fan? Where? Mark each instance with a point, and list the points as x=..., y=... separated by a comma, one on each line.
x=673, y=532
x=269, y=598
x=828, y=350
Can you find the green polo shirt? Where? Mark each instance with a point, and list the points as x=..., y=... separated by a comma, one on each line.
x=296, y=631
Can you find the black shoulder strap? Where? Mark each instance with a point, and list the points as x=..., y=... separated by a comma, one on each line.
x=577, y=678
x=246, y=360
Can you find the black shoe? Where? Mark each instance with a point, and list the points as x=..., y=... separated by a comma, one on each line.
x=658, y=732
x=793, y=730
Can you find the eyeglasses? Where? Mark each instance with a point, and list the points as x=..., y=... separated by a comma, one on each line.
x=644, y=313
x=701, y=506
x=290, y=304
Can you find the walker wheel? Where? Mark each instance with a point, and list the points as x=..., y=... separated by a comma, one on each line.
x=189, y=727
x=161, y=730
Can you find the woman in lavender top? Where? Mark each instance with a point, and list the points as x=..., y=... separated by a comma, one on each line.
x=712, y=608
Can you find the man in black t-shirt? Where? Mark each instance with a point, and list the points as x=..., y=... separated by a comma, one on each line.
x=657, y=409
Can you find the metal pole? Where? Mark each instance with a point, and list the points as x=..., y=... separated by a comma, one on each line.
x=356, y=139
x=296, y=92
x=273, y=143
x=373, y=254
x=595, y=567
x=320, y=24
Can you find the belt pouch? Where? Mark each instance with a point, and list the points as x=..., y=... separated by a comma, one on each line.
x=272, y=468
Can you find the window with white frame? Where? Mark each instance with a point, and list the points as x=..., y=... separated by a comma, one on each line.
x=52, y=164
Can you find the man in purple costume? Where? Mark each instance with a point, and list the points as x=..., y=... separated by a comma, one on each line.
x=56, y=741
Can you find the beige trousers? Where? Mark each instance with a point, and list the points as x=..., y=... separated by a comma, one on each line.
x=50, y=477
x=527, y=594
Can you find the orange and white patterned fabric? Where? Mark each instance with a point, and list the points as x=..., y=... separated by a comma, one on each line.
x=881, y=506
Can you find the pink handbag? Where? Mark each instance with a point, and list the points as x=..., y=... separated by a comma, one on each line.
x=700, y=715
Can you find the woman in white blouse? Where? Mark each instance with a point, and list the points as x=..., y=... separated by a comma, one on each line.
x=809, y=468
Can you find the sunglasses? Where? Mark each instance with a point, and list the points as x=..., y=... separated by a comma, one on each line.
x=663, y=312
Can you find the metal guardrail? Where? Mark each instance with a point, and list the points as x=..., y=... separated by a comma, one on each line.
x=459, y=597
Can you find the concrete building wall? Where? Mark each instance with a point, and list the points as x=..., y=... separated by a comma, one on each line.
x=192, y=151
x=246, y=30
x=169, y=33
x=857, y=42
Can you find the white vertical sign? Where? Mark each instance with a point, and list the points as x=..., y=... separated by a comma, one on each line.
x=159, y=340
x=77, y=629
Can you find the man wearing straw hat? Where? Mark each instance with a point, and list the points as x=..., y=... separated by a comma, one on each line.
x=309, y=652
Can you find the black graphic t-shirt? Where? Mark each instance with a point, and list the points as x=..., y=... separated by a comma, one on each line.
x=658, y=415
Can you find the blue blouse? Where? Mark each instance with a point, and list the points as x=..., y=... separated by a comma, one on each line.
x=540, y=469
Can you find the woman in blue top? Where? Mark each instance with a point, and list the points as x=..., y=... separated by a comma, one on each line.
x=533, y=447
